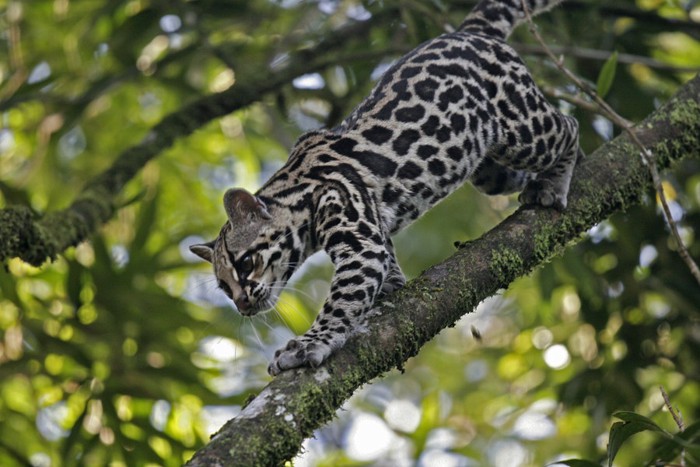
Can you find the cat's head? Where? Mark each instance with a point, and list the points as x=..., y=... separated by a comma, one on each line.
x=247, y=256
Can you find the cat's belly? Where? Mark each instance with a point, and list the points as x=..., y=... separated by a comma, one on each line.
x=403, y=200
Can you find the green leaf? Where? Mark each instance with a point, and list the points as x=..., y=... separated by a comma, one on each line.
x=607, y=75
x=633, y=417
x=74, y=282
x=74, y=435
x=670, y=449
x=430, y=418
x=576, y=463
x=633, y=424
x=618, y=435
x=145, y=222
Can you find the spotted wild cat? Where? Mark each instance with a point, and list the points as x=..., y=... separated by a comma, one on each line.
x=459, y=107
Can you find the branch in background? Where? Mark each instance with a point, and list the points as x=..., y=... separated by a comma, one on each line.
x=34, y=239
x=674, y=413
x=97, y=87
x=647, y=155
x=570, y=98
x=271, y=428
x=648, y=17
x=602, y=55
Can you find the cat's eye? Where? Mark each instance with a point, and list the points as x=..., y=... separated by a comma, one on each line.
x=245, y=265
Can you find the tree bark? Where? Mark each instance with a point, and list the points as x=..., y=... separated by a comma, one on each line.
x=272, y=427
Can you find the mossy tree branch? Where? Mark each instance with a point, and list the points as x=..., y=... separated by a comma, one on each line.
x=35, y=239
x=272, y=427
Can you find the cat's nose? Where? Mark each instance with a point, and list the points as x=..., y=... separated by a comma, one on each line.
x=242, y=303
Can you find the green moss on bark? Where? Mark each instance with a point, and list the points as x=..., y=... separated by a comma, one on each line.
x=19, y=233
x=506, y=264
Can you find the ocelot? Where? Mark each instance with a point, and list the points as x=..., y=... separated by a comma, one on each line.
x=459, y=107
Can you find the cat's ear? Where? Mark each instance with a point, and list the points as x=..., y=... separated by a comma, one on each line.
x=203, y=250
x=241, y=206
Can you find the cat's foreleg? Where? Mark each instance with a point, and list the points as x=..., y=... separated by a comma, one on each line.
x=357, y=248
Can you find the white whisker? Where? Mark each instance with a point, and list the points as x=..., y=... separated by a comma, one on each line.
x=257, y=336
x=239, y=338
x=208, y=284
x=296, y=290
x=288, y=307
x=265, y=322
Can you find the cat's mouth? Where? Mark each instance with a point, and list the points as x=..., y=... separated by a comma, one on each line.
x=247, y=308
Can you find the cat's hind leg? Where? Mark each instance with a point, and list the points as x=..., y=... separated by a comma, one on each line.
x=492, y=178
x=550, y=188
x=395, y=278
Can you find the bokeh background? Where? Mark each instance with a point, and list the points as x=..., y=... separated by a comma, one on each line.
x=122, y=351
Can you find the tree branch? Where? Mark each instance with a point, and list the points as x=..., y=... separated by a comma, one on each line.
x=271, y=428
x=650, y=18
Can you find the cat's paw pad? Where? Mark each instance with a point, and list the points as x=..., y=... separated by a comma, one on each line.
x=299, y=352
x=542, y=193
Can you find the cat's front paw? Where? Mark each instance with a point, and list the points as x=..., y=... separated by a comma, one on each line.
x=543, y=193
x=298, y=352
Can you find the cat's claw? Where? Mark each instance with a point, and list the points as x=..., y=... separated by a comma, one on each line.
x=299, y=352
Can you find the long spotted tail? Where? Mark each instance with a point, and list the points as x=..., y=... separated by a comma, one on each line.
x=498, y=18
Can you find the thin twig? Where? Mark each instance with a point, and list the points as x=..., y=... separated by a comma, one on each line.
x=603, y=55
x=574, y=99
x=674, y=413
x=647, y=157
x=676, y=418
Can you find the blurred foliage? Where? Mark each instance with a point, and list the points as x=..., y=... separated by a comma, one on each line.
x=123, y=352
